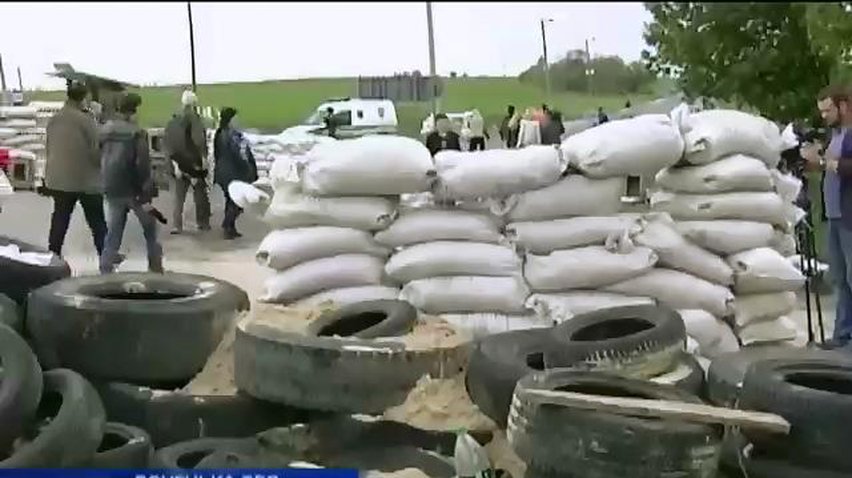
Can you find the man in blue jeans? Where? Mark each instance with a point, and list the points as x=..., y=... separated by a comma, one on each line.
x=128, y=184
x=836, y=110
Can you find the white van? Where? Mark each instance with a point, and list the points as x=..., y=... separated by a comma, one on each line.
x=354, y=117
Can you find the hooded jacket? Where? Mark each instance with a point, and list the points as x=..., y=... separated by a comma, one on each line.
x=234, y=160
x=73, y=164
x=125, y=161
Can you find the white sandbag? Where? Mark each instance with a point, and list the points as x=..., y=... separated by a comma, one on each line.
x=565, y=305
x=46, y=106
x=779, y=330
x=284, y=170
x=425, y=225
x=746, y=206
x=21, y=154
x=734, y=173
x=251, y=199
x=349, y=295
x=786, y=185
x=452, y=258
x=575, y=195
x=33, y=147
x=496, y=172
x=678, y=290
x=785, y=244
x=751, y=308
x=17, y=123
x=764, y=270
x=713, y=336
x=729, y=236
x=585, y=267
x=6, y=133
x=440, y=295
x=544, y=237
x=630, y=147
x=289, y=208
x=657, y=232
x=369, y=166
x=312, y=277
x=485, y=324
x=21, y=140
x=288, y=247
x=714, y=134
x=24, y=112
x=691, y=345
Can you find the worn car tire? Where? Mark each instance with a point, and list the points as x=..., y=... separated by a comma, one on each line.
x=20, y=386
x=187, y=455
x=123, y=446
x=605, y=445
x=366, y=320
x=815, y=396
x=11, y=313
x=686, y=375
x=323, y=373
x=497, y=362
x=163, y=332
x=18, y=279
x=634, y=341
x=74, y=430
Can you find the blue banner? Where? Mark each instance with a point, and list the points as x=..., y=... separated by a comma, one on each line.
x=137, y=473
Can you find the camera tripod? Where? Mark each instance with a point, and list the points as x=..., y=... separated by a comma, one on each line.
x=808, y=264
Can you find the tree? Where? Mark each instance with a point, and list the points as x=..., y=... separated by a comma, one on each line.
x=611, y=76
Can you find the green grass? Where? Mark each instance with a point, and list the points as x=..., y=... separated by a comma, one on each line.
x=274, y=105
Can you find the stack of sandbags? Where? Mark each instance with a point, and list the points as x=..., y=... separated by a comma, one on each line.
x=19, y=132
x=44, y=112
x=322, y=247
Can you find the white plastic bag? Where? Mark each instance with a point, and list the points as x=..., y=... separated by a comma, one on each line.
x=751, y=308
x=764, y=270
x=440, y=295
x=714, y=134
x=289, y=208
x=657, y=232
x=746, y=206
x=630, y=147
x=678, y=290
x=312, y=277
x=452, y=258
x=369, y=166
x=786, y=185
x=781, y=329
x=734, y=173
x=544, y=237
x=575, y=195
x=348, y=295
x=728, y=236
x=565, y=305
x=714, y=337
x=248, y=197
x=288, y=247
x=426, y=225
x=485, y=324
x=496, y=172
x=585, y=267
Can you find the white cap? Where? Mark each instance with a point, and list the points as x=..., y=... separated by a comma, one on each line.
x=188, y=98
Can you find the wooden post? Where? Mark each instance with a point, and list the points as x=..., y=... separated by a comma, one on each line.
x=546, y=64
x=191, y=43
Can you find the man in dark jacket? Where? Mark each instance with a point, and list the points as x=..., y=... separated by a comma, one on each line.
x=443, y=137
x=189, y=154
x=509, y=128
x=553, y=129
x=128, y=184
x=234, y=162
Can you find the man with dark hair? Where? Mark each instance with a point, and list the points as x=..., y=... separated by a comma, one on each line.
x=330, y=123
x=602, y=117
x=128, y=183
x=443, y=137
x=234, y=161
x=72, y=170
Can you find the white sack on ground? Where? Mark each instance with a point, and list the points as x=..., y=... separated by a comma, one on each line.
x=678, y=290
x=714, y=134
x=585, y=267
x=728, y=236
x=349, y=295
x=440, y=295
x=426, y=225
x=289, y=208
x=714, y=337
x=574, y=195
x=288, y=247
x=370, y=166
x=485, y=324
x=778, y=330
x=746, y=206
x=496, y=172
x=308, y=278
x=630, y=147
x=764, y=270
x=657, y=232
x=543, y=237
x=752, y=308
x=565, y=305
x=452, y=258
x=734, y=173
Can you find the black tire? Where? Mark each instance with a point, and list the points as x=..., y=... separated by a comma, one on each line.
x=75, y=422
x=123, y=446
x=18, y=279
x=20, y=386
x=321, y=373
x=497, y=362
x=634, y=341
x=366, y=320
x=815, y=396
x=223, y=459
x=686, y=375
x=605, y=445
x=11, y=313
x=171, y=417
x=187, y=455
x=392, y=459
x=164, y=332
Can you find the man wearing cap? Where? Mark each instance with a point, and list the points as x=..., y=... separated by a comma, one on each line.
x=443, y=137
x=186, y=142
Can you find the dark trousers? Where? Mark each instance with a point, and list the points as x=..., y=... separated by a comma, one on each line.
x=63, y=207
x=477, y=143
x=232, y=212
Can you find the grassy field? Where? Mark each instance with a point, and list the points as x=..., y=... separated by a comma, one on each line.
x=274, y=105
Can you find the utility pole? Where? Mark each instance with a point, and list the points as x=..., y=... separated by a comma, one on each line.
x=2, y=77
x=589, y=70
x=191, y=43
x=20, y=81
x=433, y=80
x=546, y=64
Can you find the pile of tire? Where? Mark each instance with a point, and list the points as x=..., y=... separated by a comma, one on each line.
x=19, y=277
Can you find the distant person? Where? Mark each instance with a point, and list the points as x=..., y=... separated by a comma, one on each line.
x=128, y=184
x=509, y=127
x=553, y=129
x=234, y=162
x=73, y=169
x=602, y=117
x=627, y=105
x=330, y=122
x=476, y=126
x=443, y=138
x=186, y=144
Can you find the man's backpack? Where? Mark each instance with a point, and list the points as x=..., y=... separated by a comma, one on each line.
x=176, y=135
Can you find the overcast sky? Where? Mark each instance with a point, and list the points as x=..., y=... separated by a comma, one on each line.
x=148, y=43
